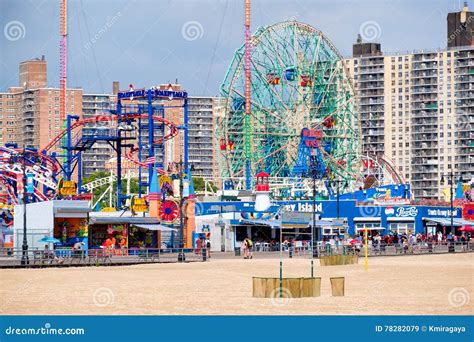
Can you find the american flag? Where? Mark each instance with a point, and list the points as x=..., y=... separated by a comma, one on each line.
x=150, y=160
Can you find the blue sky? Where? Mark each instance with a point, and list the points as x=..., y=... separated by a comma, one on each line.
x=148, y=42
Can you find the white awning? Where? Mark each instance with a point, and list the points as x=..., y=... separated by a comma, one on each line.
x=366, y=219
x=156, y=227
x=401, y=219
x=369, y=228
x=457, y=222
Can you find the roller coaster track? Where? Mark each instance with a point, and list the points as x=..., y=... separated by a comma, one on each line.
x=43, y=166
x=173, y=131
x=102, y=181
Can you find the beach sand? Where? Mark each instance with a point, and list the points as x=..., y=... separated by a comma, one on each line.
x=403, y=285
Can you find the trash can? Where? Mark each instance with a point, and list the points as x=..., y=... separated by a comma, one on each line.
x=204, y=254
x=237, y=251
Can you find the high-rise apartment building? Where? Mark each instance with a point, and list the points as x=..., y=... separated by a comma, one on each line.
x=201, y=145
x=95, y=159
x=418, y=109
x=30, y=112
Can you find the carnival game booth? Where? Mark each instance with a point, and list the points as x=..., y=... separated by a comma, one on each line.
x=64, y=220
x=125, y=234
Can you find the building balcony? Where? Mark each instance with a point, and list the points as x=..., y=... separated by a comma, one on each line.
x=424, y=90
x=371, y=61
x=464, y=79
x=369, y=70
x=424, y=98
x=423, y=74
x=425, y=145
x=424, y=122
x=424, y=66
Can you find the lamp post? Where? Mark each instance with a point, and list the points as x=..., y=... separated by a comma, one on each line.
x=314, y=176
x=450, y=176
x=337, y=183
x=24, y=247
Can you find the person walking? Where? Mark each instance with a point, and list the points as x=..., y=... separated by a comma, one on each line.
x=249, y=247
x=440, y=237
x=198, y=245
x=208, y=248
x=244, y=248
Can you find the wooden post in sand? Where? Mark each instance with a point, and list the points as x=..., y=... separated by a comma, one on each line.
x=337, y=286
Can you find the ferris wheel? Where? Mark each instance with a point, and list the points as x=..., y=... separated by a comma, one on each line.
x=298, y=82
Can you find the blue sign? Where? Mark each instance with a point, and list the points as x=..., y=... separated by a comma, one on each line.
x=171, y=94
x=30, y=187
x=131, y=94
x=140, y=93
x=143, y=328
x=348, y=209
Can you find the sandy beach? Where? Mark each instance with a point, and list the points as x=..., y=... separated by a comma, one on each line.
x=419, y=285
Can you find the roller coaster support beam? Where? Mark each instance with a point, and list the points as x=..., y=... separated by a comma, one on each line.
x=79, y=172
x=151, y=146
x=186, y=158
x=119, y=156
x=139, y=154
x=69, y=155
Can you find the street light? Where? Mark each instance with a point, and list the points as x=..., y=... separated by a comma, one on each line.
x=314, y=175
x=181, y=220
x=450, y=176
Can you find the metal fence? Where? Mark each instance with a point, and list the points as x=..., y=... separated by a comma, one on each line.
x=98, y=257
x=381, y=249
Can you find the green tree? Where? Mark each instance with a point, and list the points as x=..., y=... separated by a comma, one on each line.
x=97, y=192
x=200, y=184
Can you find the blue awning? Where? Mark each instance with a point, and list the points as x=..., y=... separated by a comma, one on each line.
x=156, y=227
x=269, y=223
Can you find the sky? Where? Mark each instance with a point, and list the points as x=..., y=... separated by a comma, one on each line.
x=149, y=42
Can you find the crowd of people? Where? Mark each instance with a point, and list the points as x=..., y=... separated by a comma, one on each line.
x=405, y=242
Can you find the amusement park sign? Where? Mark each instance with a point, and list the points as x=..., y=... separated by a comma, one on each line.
x=401, y=211
x=141, y=93
x=304, y=207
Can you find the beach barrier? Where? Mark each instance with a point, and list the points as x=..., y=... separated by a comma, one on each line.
x=337, y=286
x=263, y=287
x=331, y=260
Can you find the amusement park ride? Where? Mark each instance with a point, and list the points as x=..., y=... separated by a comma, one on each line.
x=290, y=113
x=139, y=137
